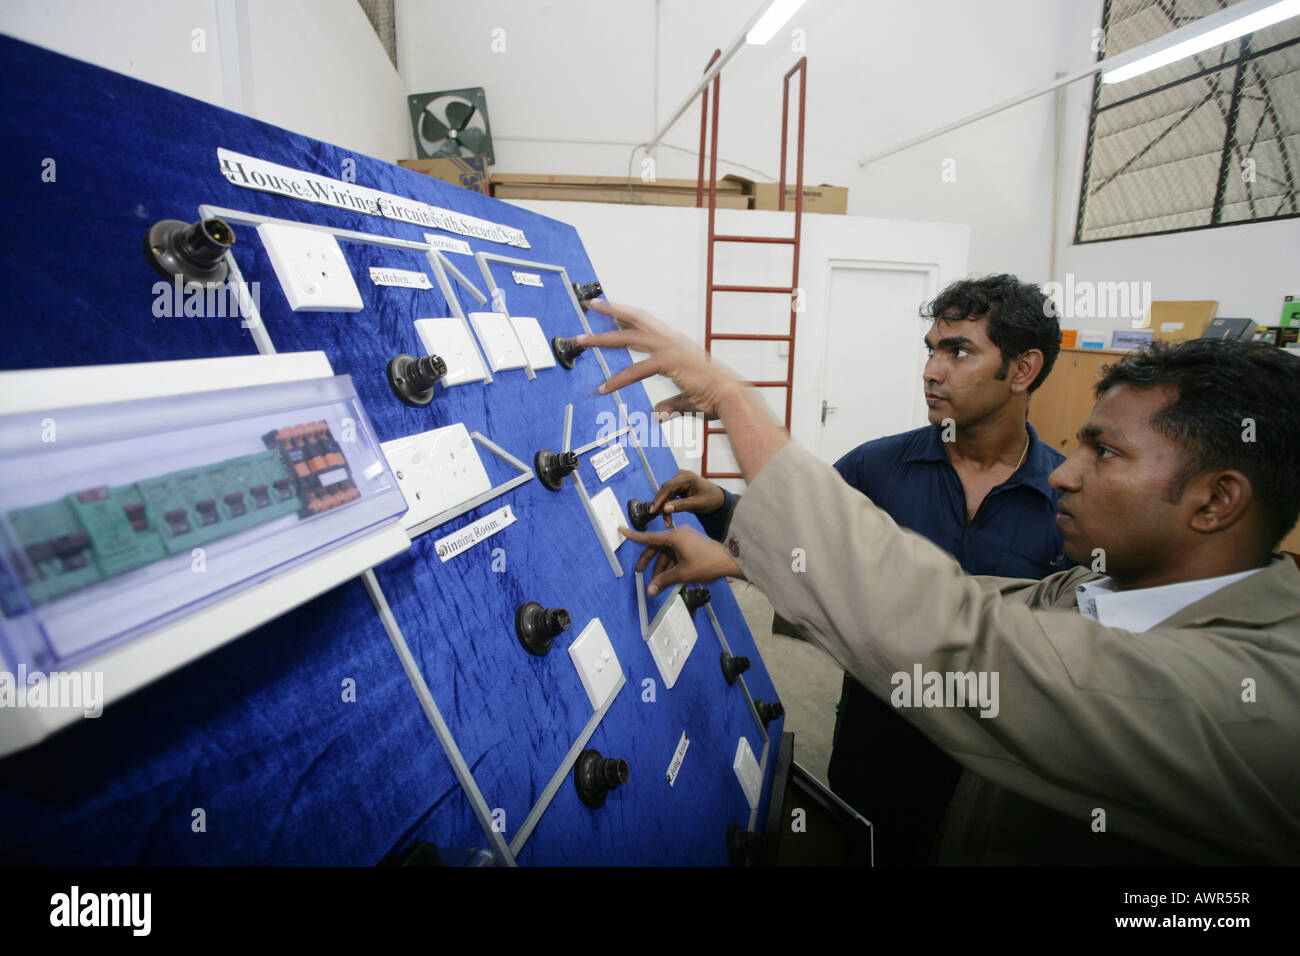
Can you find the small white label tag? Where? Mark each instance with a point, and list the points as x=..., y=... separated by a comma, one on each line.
x=1167, y=327
x=470, y=535
x=678, y=756
x=609, y=462
x=400, y=277
x=332, y=477
x=447, y=244
x=527, y=278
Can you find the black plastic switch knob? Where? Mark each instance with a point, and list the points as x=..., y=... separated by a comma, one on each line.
x=566, y=350
x=638, y=513
x=553, y=468
x=537, y=626
x=733, y=667
x=586, y=292
x=196, y=252
x=412, y=379
x=695, y=598
x=595, y=776
x=742, y=844
x=769, y=712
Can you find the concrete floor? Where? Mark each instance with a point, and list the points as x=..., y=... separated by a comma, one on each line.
x=806, y=679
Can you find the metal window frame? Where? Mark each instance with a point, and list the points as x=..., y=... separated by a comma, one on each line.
x=1239, y=64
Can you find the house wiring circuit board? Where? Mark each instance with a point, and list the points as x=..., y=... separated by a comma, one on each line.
x=400, y=706
x=99, y=532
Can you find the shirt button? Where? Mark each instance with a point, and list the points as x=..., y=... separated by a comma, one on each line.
x=733, y=548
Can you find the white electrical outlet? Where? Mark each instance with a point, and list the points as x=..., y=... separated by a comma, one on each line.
x=497, y=337
x=436, y=470
x=747, y=772
x=311, y=269
x=609, y=517
x=536, y=346
x=449, y=339
x=671, y=639
x=597, y=664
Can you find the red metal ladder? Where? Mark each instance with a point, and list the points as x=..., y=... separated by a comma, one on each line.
x=710, y=287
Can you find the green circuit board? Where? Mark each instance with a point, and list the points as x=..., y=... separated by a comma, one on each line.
x=61, y=546
x=96, y=533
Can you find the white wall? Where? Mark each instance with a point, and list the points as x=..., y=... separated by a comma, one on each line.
x=147, y=39
x=320, y=70
x=1247, y=268
x=312, y=66
x=654, y=257
x=879, y=72
x=573, y=85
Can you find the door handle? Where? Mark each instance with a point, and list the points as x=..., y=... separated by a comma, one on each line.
x=827, y=408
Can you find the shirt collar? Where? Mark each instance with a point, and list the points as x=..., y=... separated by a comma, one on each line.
x=1142, y=609
x=1039, y=461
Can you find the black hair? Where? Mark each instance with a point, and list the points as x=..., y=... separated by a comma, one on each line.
x=1237, y=406
x=1021, y=317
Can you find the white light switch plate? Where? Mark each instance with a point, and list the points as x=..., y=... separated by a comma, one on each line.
x=747, y=772
x=597, y=664
x=671, y=640
x=449, y=339
x=311, y=269
x=536, y=345
x=497, y=337
x=436, y=470
x=609, y=516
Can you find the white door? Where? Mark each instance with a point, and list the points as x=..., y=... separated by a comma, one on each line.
x=874, y=352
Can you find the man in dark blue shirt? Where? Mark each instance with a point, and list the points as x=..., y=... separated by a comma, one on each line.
x=974, y=482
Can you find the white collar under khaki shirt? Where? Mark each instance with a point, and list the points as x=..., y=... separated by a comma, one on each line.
x=1142, y=609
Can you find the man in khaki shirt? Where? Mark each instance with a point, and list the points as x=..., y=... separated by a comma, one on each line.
x=1145, y=714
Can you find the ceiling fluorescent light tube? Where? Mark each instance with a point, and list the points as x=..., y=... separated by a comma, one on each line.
x=776, y=16
x=1240, y=19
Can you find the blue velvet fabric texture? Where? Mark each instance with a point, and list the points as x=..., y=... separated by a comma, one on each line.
x=257, y=734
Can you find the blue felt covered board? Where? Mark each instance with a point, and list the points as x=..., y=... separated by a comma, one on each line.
x=257, y=734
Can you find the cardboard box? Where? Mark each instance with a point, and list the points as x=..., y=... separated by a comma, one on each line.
x=614, y=194
x=469, y=172
x=614, y=189
x=1178, y=321
x=602, y=182
x=830, y=200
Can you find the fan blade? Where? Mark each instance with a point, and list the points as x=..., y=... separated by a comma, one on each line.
x=448, y=148
x=475, y=140
x=458, y=114
x=432, y=129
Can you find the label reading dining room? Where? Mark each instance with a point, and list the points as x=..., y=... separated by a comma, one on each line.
x=678, y=756
x=470, y=535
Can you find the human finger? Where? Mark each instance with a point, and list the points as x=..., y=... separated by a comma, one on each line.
x=671, y=488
